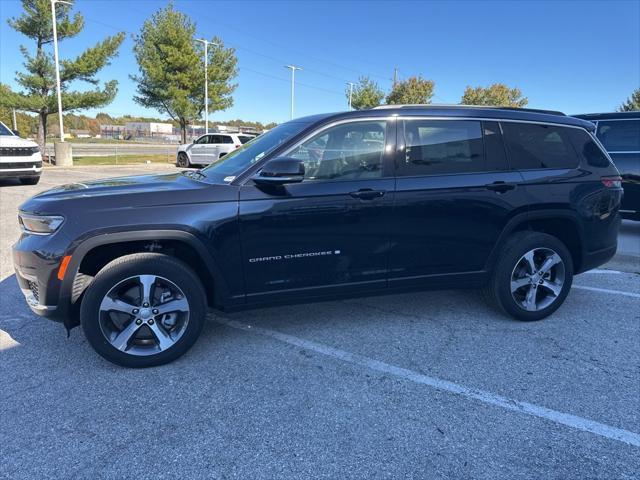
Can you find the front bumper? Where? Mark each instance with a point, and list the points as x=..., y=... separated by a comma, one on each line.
x=21, y=166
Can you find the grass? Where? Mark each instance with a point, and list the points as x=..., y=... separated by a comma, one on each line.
x=123, y=159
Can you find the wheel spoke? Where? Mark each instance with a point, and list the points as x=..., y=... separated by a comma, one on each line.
x=519, y=283
x=146, y=284
x=111, y=304
x=553, y=287
x=528, y=257
x=164, y=339
x=177, y=305
x=551, y=260
x=530, y=299
x=122, y=339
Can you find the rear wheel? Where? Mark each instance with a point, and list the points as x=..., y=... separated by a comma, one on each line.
x=143, y=310
x=183, y=160
x=533, y=276
x=30, y=180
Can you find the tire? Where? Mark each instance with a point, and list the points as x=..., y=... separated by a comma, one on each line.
x=536, y=296
x=183, y=160
x=29, y=180
x=165, y=332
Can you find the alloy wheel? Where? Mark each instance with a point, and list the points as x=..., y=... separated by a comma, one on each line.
x=537, y=279
x=144, y=315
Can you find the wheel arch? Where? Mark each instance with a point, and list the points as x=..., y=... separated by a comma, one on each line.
x=562, y=224
x=96, y=251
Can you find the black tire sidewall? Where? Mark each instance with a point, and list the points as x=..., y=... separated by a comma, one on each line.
x=183, y=160
x=520, y=245
x=143, y=264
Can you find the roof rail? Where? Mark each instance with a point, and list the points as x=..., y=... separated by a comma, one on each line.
x=449, y=105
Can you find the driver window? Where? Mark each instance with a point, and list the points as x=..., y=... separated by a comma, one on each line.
x=345, y=152
x=202, y=140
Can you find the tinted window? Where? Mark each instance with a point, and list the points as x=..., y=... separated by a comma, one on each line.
x=586, y=147
x=495, y=154
x=203, y=139
x=244, y=139
x=345, y=152
x=620, y=136
x=226, y=139
x=534, y=146
x=4, y=130
x=215, y=139
x=435, y=147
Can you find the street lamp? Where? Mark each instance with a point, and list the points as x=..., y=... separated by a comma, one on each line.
x=55, y=55
x=206, y=43
x=351, y=84
x=293, y=81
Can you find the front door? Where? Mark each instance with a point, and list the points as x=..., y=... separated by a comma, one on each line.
x=454, y=196
x=329, y=233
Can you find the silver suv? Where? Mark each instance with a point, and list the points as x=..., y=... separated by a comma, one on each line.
x=210, y=147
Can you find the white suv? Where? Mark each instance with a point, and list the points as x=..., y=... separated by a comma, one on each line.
x=19, y=158
x=210, y=147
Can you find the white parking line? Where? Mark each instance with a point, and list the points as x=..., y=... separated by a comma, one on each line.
x=567, y=419
x=597, y=270
x=606, y=290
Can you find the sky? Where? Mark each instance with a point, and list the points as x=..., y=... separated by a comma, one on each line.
x=573, y=56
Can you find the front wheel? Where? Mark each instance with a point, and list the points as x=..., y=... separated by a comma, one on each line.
x=143, y=310
x=183, y=160
x=532, y=277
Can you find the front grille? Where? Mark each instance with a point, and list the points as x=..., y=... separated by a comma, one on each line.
x=20, y=165
x=17, y=151
x=33, y=286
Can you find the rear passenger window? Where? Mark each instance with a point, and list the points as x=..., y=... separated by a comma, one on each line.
x=533, y=146
x=227, y=139
x=586, y=147
x=437, y=147
x=620, y=135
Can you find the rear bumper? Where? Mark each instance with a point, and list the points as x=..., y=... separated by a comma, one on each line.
x=595, y=259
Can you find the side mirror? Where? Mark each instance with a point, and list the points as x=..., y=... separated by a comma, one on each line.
x=280, y=171
x=16, y=133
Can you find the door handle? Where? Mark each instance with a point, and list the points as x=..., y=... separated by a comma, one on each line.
x=500, y=186
x=367, y=194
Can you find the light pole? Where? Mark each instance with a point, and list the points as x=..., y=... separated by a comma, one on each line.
x=351, y=84
x=55, y=55
x=293, y=81
x=206, y=44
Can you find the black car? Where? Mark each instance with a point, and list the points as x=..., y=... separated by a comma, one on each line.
x=514, y=202
x=619, y=133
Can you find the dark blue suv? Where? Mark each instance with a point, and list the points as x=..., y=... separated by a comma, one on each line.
x=619, y=133
x=513, y=202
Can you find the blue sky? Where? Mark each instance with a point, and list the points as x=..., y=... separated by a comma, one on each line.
x=571, y=56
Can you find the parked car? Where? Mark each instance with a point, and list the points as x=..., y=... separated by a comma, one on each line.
x=209, y=147
x=19, y=158
x=620, y=134
x=357, y=203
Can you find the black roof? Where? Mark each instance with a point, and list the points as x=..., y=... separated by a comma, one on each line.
x=608, y=116
x=457, y=111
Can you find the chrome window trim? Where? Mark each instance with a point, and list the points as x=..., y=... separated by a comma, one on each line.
x=615, y=120
x=620, y=152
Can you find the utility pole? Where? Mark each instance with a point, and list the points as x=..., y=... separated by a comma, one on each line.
x=293, y=81
x=55, y=54
x=206, y=43
x=395, y=76
x=351, y=84
x=15, y=123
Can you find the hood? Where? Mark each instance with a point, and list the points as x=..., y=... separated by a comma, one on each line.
x=128, y=192
x=13, y=141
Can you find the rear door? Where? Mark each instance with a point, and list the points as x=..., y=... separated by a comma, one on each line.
x=454, y=196
x=213, y=148
x=329, y=233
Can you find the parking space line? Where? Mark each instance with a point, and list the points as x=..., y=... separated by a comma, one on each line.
x=606, y=290
x=567, y=419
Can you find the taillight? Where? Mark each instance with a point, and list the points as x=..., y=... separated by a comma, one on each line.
x=611, y=182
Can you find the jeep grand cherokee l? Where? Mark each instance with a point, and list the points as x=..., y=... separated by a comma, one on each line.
x=404, y=198
x=19, y=158
x=619, y=133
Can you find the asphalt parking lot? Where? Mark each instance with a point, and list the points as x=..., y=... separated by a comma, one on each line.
x=419, y=385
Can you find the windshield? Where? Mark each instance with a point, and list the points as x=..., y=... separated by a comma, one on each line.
x=4, y=130
x=233, y=164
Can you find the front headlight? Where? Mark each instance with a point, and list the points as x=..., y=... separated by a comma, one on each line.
x=39, y=224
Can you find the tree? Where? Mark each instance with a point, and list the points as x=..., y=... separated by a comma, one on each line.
x=171, y=78
x=498, y=95
x=632, y=104
x=38, y=93
x=413, y=90
x=366, y=94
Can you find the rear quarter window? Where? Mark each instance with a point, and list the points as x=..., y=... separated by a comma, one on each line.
x=536, y=146
x=588, y=149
